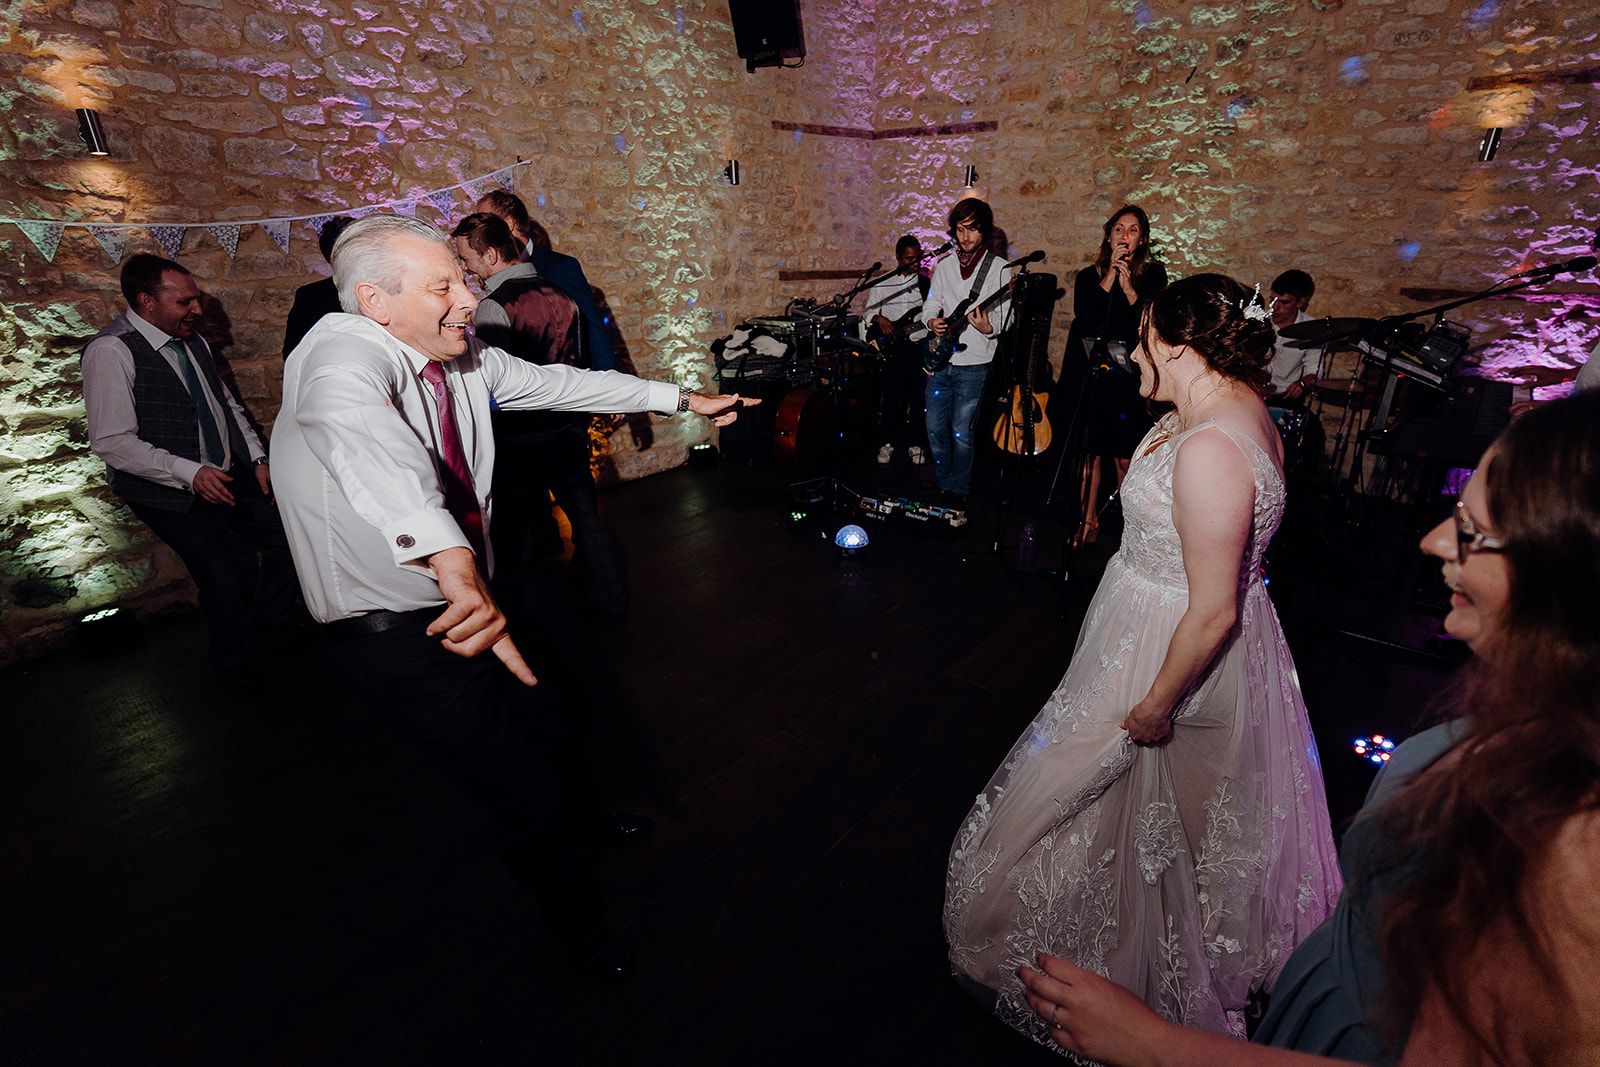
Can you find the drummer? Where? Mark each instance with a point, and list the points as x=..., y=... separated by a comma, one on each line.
x=1295, y=364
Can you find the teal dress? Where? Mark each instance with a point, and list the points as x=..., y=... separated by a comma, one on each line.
x=1331, y=997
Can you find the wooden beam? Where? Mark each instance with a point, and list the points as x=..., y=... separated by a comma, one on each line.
x=816, y=275
x=945, y=129
x=1518, y=79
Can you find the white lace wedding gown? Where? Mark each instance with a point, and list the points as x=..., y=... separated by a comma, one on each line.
x=1187, y=871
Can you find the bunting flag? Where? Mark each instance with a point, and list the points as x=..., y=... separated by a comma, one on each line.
x=278, y=230
x=443, y=201
x=227, y=235
x=46, y=236
x=170, y=238
x=112, y=240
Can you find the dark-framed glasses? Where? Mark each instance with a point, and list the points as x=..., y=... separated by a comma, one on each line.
x=1469, y=538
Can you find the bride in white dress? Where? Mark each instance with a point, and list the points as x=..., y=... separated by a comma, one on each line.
x=1162, y=822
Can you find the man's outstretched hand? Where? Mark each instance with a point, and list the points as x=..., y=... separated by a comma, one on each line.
x=721, y=410
x=472, y=622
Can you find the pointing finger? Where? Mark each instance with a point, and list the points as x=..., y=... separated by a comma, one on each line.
x=507, y=650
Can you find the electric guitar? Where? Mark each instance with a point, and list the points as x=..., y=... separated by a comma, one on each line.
x=940, y=347
x=907, y=327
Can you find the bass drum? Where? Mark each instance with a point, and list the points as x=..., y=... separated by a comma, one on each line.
x=807, y=429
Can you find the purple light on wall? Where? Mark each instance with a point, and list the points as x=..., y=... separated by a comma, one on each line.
x=677, y=21
x=620, y=143
x=1142, y=15
x=1483, y=14
x=1353, y=69
x=1408, y=250
x=542, y=200
x=577, y=18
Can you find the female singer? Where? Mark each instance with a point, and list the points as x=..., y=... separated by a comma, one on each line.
x=1108, y=298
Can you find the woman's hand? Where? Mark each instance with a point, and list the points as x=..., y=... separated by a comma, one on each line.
x=1093, y=1016
x=1148, y=724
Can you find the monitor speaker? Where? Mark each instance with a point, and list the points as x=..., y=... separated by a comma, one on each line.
x=767, y=32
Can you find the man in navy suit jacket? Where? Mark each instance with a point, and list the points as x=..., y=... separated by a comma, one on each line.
x=562, y=271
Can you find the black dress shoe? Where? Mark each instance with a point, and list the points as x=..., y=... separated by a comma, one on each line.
x=629, y=827
x=603, y=959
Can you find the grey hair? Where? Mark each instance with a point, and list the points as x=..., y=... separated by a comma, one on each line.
x=364, y=253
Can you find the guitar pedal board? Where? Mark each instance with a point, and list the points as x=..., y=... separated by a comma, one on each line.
x=881, y=509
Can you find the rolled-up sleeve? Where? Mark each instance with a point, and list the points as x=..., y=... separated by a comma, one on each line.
x=378, y=462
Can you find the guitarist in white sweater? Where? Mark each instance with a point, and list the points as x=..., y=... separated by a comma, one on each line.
x=961, y=281
x=894, y=306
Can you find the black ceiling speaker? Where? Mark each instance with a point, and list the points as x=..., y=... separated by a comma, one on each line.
x=767, y=32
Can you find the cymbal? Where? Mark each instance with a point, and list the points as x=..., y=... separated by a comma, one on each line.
x=1322, y=330
x=1342, y=392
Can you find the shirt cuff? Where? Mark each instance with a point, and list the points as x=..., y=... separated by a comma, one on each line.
x=185, y=470
x=663, y=398
x=413, y=538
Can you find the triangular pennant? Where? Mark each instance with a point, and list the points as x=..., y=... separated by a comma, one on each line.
x=317, y=222
x=443, y=201
x=112, y=240
x=404, y=207
x=170, y=238
x=46, y=236
x=278, y=230
x=227, y=235
x=505, y=177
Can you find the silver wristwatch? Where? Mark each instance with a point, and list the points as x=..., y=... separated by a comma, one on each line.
x=684, y=393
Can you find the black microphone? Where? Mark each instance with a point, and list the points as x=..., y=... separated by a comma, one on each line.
x=874, y=268
x=941, y=250
x=1571, y=266
x=1031, y=257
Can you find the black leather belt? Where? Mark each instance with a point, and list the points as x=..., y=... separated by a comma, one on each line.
x=376, y=622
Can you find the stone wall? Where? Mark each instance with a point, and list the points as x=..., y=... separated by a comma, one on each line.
x=1338, y=137
x=1334, y=136
x=221, y=109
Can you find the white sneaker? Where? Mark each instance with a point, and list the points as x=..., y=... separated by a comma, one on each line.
x=918, y=456
x=886, y=453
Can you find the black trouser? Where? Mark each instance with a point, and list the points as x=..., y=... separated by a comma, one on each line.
x=901, y=418
x=525, y=472
x=502, y=743
x=234, y=597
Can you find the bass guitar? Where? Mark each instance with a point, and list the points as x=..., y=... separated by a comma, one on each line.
x=907, y=327
x=941, y=347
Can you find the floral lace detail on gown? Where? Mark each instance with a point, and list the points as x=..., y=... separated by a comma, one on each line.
x=1188, y=871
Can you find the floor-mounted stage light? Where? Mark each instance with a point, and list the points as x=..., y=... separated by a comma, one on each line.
x=703, y=456
x=107, y=630
x=1489, y=145
x=1374, y=749
x=731, y=172
x=93, y=134
x=850, y=539
x=970, y=176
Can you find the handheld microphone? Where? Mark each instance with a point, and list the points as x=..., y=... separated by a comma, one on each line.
x=1032, y=257
x=1571, y=266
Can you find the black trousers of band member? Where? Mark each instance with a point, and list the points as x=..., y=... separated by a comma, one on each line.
x=901, y=416
x=235, y=598
x=503, y=744
x=525, y=473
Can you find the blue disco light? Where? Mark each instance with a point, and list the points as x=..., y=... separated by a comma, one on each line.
x=850, y=539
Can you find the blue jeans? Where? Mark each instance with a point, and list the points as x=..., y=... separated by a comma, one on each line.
x=953, y=396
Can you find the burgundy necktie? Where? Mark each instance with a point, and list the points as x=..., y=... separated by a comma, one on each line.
x=459, y=495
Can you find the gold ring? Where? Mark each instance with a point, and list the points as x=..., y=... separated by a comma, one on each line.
x=1055, y=1016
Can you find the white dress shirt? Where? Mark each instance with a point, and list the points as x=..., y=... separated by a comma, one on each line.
x=113, y=423
x=949, y=288
x=1588, y=374
x=356, y=455
x=893, y=297
x=1290, y=361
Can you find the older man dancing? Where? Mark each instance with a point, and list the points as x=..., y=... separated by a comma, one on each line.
x=383, y=464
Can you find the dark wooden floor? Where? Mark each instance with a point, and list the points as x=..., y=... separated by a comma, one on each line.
x=198, y=877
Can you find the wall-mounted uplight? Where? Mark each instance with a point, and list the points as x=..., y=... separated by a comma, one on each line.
x=93, y=134
x=731, y=172
x=1489, y=145
x=970, y=176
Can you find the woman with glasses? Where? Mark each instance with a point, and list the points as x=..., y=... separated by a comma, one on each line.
x=1467, y=932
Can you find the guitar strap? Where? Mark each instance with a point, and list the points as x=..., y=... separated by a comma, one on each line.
x=983, y=272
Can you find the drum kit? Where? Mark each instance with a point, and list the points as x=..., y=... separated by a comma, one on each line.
x=825, y=376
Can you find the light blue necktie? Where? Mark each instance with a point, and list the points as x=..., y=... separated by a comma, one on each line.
x=209, y=435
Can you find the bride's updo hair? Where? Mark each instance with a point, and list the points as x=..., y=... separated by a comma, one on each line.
x=1207, y=313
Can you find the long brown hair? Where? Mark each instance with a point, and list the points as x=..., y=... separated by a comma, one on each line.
x=1141, y=253
x=1532, y=760
x=1207, y=313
